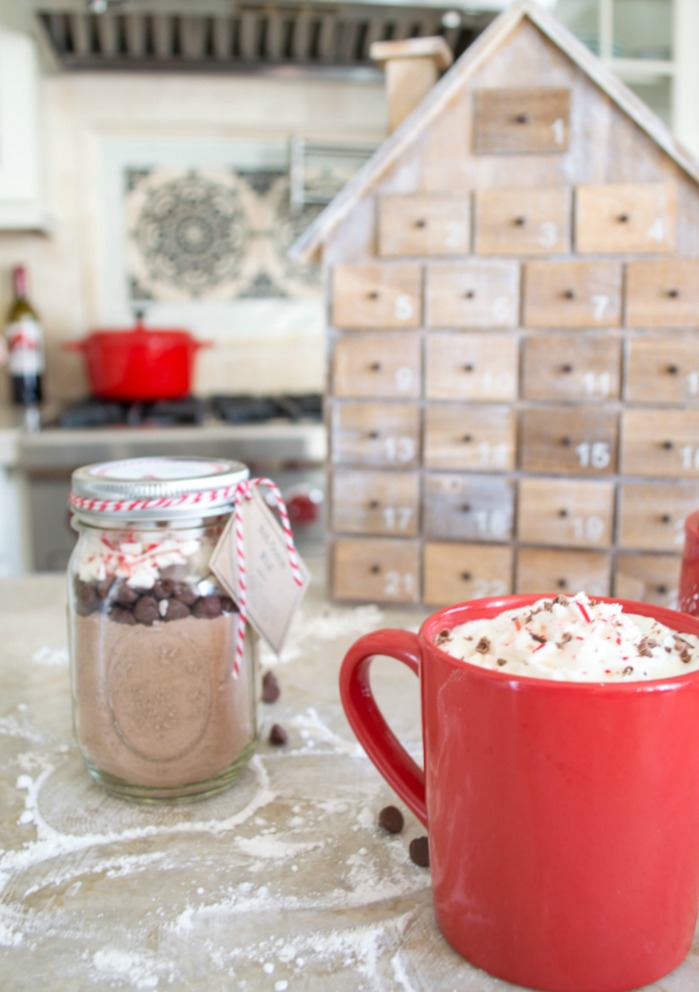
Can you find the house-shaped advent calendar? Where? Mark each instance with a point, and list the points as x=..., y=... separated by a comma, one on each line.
x=513, y=331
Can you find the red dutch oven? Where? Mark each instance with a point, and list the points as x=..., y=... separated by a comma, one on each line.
x=139, y=363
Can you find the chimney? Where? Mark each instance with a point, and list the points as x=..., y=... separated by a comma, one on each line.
x=412, y=68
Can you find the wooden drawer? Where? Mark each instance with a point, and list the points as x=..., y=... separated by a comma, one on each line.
x=652, y=515
x=424, y=225
x=470, y=438
x=664, y=368
x=556, y=367
x=473, y=294
x=663, y=294
x=376, y=570
x=658, y=442
x=376, y=296
x=572, y=294
x=551, y=571
x=569, y=441
x=478, y=366
x=628, y=217
x=648, y=579
x=563, y=512
x=468, y=507
x=379, y=434
x=377, y=365
x=454, y=573
x=523, y=119
x=385, y=503
x=523, y=221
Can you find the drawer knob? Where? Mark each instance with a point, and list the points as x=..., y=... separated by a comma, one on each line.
x=673, y=369
x=623, y=218
x=561, y=583
x=467, y=438
x=567, y=368
x=563, y=512
x=569, y=294
x=520, y=221
x=661, y=589
x=465, y=507
x=468, y=367
x=374, y=504
x=470, y=294
x=673, y=293
x=375, y=366
x=667, y=445
x=665, y=518
x=522, y=118
x=375, y=569
x=421, y=222
x=373, y=294
x=566, y=442
x=466, y=576
x=373, y=435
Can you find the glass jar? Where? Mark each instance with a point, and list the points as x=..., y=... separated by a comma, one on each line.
x=160, y=711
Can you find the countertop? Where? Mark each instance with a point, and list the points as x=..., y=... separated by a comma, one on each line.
x=283, y=882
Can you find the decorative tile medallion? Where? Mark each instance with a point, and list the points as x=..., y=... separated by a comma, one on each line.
x=213, y=233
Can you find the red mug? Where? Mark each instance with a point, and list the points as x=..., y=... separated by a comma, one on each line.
x=688, y=591
x=563, y=817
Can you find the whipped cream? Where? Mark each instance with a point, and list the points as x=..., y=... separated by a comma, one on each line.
x=570, y=638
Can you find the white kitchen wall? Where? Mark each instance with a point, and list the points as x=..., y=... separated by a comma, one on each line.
x=93, y=123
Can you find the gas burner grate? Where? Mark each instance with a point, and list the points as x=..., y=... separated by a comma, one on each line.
x=94, y=412
x=245, y=409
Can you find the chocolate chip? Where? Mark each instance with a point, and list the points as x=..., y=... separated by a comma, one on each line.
x=121, y=614
x=419, y=852
x=227, y=605
x=185, y=594
x=175, y=610
x=86, y=599
x=125, y=595
x=391, y=819
x=160, y=590
x=270, y=688
x=207, y=606
x=146, y=610
x=278, y=735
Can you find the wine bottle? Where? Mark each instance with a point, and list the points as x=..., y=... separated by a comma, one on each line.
x=25, y=344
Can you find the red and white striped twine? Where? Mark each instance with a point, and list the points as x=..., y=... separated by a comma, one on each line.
x=244, y=492
x=159, y=503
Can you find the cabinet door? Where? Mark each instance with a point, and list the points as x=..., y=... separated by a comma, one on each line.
x=652, y=515
x=376, y=570
x=663, y=294
x=468, y=507
x=457, y=572
x=563, y=512
x=657, y=442
x=377, y=365
x=665, y=368
x=521, y=119
x=550, y=571
x=470, y=438
x=523, y=221
x=424, y=225
x=556, y=367
x=375, y=434
x=569, y=440
x=473, y=294
x=376, y=296
x=383, y=503
x=648, y=579
x=628, y=217
x=478, y=366
x=572, y=294
x=21, y=205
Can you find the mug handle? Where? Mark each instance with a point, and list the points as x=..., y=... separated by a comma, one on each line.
x=384, y=749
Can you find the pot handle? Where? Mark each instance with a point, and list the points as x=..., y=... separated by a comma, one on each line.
x=384, y=749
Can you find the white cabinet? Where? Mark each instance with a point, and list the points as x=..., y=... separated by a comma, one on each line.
x=651, y=45
x=21, y=205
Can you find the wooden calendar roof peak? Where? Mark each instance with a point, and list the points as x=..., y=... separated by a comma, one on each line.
x=310, y=244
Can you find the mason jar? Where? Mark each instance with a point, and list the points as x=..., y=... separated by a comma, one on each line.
x=162, y=710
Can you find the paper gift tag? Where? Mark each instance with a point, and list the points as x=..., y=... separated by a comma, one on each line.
x=273, y=593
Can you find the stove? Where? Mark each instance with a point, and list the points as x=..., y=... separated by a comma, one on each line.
x=280, y=437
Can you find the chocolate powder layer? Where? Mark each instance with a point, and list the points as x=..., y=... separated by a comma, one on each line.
x=158, y=705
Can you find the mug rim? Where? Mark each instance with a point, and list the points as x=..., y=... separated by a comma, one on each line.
x=495, y=605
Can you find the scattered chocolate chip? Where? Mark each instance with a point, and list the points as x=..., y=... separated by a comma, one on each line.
x=278, y=735
x=122, y=614
x=391, y=819
x=419, y=852
x=539, y=638
x=483, y=646
x=207, y=606
x=146, y=610
x=175, y=610
x=270, y=688
x=628, y=670
x=501, y=662
x=442, y=636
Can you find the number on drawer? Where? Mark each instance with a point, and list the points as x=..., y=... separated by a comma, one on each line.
x=398, y=584
x=399, y=449
x=593, y=454
x=588, y=528
x=397, y=517
x=404, y=307
x=489, y=587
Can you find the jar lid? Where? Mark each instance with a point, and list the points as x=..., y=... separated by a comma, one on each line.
x=156, y=488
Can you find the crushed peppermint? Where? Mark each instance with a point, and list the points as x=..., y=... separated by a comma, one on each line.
x=572, y=638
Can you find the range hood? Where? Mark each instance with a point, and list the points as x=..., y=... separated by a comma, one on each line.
x=326, y=36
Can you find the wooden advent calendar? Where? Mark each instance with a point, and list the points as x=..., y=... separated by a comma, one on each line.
x=513, y=334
